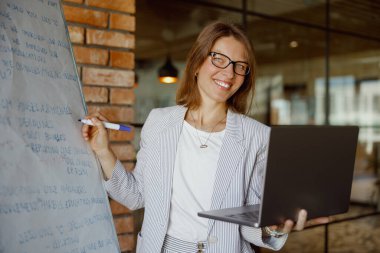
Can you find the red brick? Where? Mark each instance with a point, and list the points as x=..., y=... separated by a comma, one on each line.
x=108, y=77
x=85, y=16
x=76, y=34
x=122, y=96
x=88, y=55
x=122, y=135
x=122, y=59
x=124, y=224
x=129, y=166
x=124, y=151
x=110, y=38
x=122, y=22
x=118, y=5
x=118, y=208
x=114, y=113
x=74, y=1
x=95, y=94
x=126, y=242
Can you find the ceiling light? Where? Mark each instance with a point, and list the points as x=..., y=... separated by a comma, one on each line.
x=168, y=73
x=293, y=44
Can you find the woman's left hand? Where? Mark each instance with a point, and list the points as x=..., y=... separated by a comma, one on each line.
x=302, y=222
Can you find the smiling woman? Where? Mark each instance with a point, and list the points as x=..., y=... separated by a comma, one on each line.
x=204, y=153
x=217, y=85
x=302, y=76
x=215, y=39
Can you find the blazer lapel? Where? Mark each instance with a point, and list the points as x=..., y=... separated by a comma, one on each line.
x=230, y=155
x=168, y=148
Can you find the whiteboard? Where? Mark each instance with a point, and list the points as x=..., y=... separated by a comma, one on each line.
x=51, y=194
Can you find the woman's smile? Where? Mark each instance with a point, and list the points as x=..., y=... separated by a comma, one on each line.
x=223, y=85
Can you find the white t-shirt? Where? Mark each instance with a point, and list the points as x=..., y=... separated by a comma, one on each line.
x=193, y=183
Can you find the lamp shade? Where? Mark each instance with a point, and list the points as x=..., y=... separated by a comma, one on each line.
x=168, y=73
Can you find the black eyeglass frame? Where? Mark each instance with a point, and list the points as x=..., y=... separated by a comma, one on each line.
x=212, y=54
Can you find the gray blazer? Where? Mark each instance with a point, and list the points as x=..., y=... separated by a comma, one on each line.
x=238, y=180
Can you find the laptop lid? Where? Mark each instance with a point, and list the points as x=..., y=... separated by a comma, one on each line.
x=308, y=167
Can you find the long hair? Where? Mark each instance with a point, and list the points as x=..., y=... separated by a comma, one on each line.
x=188, y=93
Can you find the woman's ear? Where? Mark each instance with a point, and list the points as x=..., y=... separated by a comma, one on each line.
x=196, y=76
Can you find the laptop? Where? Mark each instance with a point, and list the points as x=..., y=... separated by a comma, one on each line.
x=308, y=167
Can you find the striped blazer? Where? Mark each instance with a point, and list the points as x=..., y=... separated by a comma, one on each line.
x=238, y=180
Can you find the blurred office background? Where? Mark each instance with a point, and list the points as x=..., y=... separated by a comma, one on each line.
x=318, y=63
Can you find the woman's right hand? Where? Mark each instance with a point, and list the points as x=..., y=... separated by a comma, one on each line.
x=96, y=135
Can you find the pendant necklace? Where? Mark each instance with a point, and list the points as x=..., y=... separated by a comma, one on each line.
x=204, y=145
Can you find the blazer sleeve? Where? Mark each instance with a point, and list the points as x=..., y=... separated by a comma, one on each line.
x=251, y=234
x=128, y=187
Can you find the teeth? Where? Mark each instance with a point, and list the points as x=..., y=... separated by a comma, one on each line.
x=225, y=85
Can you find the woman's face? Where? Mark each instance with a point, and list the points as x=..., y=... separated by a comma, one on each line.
x=218, y=84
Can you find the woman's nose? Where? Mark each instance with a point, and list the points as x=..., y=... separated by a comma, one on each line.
x=229, y=71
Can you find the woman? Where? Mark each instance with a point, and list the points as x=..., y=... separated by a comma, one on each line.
x=202, y=154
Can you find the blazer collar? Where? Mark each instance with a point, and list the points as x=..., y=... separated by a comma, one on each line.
x=176, y=118
x=168, y=141
x=234, y=127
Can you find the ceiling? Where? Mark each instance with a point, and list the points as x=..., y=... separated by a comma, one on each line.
x=171, y=26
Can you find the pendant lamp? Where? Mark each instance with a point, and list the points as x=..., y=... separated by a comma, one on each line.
x=168, y=74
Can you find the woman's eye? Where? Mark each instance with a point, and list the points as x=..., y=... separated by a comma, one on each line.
x=241, y=67
x=218, y=59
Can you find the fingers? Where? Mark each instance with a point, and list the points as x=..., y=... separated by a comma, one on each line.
x=301, y=221
x=102, y=118
x=96, y=118
x=99, y=116
x=99, y=125
x=85, y=129
x=318, y=221
x=285, y=228
x=322, y=220
x=288, y=226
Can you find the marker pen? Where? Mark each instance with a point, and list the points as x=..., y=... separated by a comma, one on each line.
x=107, y=125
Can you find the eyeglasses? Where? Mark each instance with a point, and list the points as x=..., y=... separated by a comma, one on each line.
x=223, y=61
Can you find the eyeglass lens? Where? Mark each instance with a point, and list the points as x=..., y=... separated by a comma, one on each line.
x=222, y=61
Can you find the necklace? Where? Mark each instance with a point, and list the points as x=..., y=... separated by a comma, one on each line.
x=204, y=145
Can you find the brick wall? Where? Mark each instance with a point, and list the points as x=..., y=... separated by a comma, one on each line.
x=102, y=34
